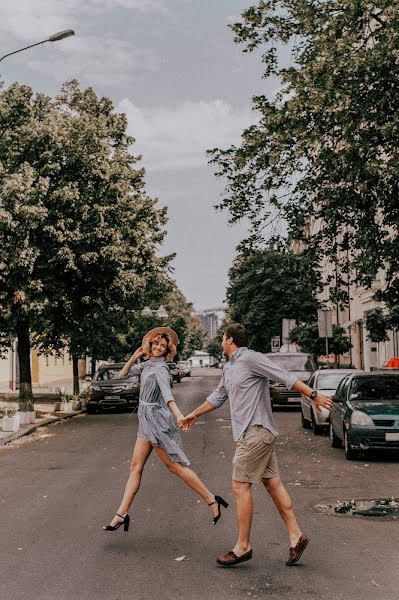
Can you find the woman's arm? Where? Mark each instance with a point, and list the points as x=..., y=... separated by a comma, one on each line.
x=176, y=411
x=132, y=360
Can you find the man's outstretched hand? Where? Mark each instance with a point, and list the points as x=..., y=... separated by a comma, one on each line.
x=324, y=401
x=187, y=423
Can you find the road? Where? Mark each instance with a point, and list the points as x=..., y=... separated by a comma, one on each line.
x=60, y=485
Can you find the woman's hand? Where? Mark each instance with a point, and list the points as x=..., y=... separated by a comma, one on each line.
x=181, y=423
x=138, y=354
x=187, y=422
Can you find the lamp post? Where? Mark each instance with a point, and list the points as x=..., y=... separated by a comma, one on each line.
x=53, y=38
x=161, y=312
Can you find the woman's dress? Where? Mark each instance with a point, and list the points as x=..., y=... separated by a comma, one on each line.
x=156, y=423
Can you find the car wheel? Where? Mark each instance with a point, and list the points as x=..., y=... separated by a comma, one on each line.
x=335, y=441
x=317, y=429
x=178, y=380
x=350, y=453
x=91, y=410
x=305, y=422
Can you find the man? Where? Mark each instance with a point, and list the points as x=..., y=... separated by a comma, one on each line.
x=245, y=383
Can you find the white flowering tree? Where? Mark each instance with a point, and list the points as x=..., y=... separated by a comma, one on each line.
x=78, y=234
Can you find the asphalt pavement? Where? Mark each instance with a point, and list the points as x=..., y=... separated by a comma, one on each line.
x=59, y=485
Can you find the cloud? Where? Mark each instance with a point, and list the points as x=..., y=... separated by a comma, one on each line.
x=32, y=19
x=170, y=138
x=106, y=61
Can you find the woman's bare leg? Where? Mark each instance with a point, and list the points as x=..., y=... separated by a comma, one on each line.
x=189, y=477
x=141, y=452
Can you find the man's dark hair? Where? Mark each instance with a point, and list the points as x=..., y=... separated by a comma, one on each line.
x=238, y=333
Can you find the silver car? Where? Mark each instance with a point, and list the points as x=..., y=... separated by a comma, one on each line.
x=326, y=382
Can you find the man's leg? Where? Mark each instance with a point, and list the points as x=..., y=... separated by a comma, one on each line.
x=243, y=496
x=283, y=503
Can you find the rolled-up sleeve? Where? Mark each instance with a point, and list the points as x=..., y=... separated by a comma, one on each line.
x=135, y=371
x=163, y=381
x=262, y=366
x=219, y=396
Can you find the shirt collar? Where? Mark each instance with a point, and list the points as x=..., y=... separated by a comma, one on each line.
x=237, y=353
x=157, y=358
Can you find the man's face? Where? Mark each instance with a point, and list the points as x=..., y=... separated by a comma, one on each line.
x=226, y=346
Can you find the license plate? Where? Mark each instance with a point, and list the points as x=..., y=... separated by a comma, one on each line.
x=112, y=397
x=392, y=437
x=294, y=399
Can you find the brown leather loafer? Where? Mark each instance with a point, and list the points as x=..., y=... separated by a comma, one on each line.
x=230, y=559
x=296, y=553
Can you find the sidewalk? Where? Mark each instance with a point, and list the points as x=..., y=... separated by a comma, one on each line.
x=9, y=436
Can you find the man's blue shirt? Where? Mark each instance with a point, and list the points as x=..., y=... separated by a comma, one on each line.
x=245, y=383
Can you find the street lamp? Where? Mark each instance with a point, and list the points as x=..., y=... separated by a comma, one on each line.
x=53, y=38
x=161, y=312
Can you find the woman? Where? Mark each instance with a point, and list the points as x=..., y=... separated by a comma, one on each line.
x=157, y=429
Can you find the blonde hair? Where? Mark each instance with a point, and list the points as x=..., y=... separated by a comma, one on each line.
x=171, y=350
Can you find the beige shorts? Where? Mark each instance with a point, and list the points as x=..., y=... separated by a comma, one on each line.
x=255, y=458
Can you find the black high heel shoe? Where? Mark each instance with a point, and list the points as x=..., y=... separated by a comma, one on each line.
x=219, y=501
x=125, y=523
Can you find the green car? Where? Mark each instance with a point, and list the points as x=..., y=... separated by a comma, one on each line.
x=365, y=415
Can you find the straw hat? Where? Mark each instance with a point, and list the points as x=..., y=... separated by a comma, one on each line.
x=160, y=330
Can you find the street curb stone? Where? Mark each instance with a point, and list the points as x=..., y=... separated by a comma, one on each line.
x=34, y=427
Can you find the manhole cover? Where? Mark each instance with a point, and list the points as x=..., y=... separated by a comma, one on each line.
x=387, y=508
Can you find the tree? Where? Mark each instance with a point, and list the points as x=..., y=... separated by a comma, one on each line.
x=77, y=231
x=307, y=336
x=99, y=271
x=325, y=148
x=267, y=286
x=214, y=349
x=377, y=325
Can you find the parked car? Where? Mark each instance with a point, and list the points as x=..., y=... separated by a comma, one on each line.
x=106, y=391
x=300, y=364
x=365, y=415
x=175, y=371
x=326, y=382
x=185, y=368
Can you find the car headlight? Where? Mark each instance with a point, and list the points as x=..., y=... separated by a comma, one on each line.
x=360, y=418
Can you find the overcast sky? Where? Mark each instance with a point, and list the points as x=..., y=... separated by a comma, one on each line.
x=173, y=68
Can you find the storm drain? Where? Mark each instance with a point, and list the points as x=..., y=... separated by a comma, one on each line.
x=387, y=508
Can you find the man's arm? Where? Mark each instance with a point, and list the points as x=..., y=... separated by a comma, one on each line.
x=188, y=421
x=216, y=399
x=320, y=400
x=262, y=366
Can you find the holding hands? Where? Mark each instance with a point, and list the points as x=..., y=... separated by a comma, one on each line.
x=187, y=422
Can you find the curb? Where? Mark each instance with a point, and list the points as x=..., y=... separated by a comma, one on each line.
x=34, y=427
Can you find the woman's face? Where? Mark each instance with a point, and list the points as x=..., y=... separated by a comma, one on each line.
x=159, y=347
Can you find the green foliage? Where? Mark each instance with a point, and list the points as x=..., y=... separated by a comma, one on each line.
x=180, y=318
x=78, y=234
x=214, y=349
x=326, y=147
x=377, y=324
x=307, y=336
x=268, y=286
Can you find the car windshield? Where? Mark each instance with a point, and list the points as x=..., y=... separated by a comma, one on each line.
x=293, y=362
x=107, y=374
x=329, y=381
x=375, y=388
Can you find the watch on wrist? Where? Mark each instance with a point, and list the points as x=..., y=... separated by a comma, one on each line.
x=313, y=394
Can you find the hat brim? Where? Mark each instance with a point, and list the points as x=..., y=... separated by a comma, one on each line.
x=159, y=330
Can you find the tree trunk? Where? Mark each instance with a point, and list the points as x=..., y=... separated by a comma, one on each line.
x=25, y=377
x=75, y=360
x=93, y=366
